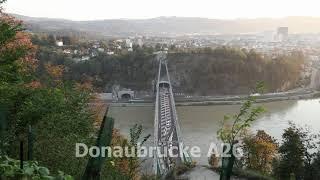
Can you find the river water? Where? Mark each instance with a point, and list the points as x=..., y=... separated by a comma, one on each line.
x=199, y=124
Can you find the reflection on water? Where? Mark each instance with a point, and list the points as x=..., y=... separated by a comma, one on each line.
x=303, y=113
x=199, y=124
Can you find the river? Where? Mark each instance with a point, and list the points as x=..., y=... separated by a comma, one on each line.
x=199, y=124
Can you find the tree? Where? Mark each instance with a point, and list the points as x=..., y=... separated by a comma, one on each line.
x=259, y=152
x=52, y=40
x=58, y=112
x=126, y=167
x=226, y=70
x=17, y=63
x=239, y=124
x=316, y=167
x=16, y=51
x=296, y=154
x=158, y=47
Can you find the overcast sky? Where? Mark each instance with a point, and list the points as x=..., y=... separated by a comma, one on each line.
x=140, y=9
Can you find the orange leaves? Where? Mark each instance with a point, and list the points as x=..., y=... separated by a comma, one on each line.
x=260, y=150
x=22, y=39
x=98, y=109
x=55, y=71
x=86, y=86
x=121, y=164
x=27, y=64
x=5, y=18
x=34, y=85
x=20, y=43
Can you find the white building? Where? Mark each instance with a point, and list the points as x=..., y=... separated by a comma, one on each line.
x=139, y=42
x=100, y=49
x=128, y=43
x=85, y=58
x=59, y=43
x=67, y=51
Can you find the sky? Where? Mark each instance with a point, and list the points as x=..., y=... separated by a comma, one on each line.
x=142, y=9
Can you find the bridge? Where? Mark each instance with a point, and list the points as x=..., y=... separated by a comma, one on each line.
x=167, y=135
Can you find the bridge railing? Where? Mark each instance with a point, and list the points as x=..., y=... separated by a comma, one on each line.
x=175, y=115
x=156, y=123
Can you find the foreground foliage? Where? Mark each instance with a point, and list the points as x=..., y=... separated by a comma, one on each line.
x=10, y=169
x=56, y=110
x=259, y=152
x=126, y=168
x=235, y=127
x=299, y=155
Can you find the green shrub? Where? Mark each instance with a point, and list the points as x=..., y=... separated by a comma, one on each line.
x=10, y=169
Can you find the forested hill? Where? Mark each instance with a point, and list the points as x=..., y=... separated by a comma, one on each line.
x=233, y=71
x=202, y=71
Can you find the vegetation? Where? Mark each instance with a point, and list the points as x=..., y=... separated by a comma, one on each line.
x=203, y=71
x=231, y=134
x=298, y=155
x=233, y=71
x=296, y=158
x=37, y=94
x=134, y=70
x=10, y=169
x=259, y=152
x=241, y=121
x=251, y=174
x=43, y=95
x=56, y=110
x=126, y=168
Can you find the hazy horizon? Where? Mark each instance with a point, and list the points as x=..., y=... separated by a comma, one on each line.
x=230, y=19
x=79, y=10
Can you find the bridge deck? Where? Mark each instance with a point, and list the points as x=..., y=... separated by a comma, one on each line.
x=167, y=131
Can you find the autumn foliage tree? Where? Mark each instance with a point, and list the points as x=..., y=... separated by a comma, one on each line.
x=17, y=53
x=259, y=152
x=17, y=64
x=57, y=110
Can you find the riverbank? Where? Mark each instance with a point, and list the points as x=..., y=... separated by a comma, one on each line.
x=227, y=100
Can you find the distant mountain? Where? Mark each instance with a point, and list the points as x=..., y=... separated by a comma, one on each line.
x=169, y=26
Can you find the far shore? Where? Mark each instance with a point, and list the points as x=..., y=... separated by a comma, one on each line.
x=226, y=100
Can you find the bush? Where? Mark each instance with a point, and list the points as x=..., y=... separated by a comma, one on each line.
x=10, y=169
x=251, y=175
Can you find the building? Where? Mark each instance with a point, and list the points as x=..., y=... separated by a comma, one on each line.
x=59, y=43
x=282, y=33
x=67, y=51
x=140, y=43
x=128, y=43
x=101, y=49
x=85, y=58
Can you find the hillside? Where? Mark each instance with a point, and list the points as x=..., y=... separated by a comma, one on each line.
x=171, y=26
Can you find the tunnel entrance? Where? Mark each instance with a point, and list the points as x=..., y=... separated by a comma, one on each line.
x=126, y=96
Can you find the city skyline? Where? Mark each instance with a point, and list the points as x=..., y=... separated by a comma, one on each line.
x=144, y=9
